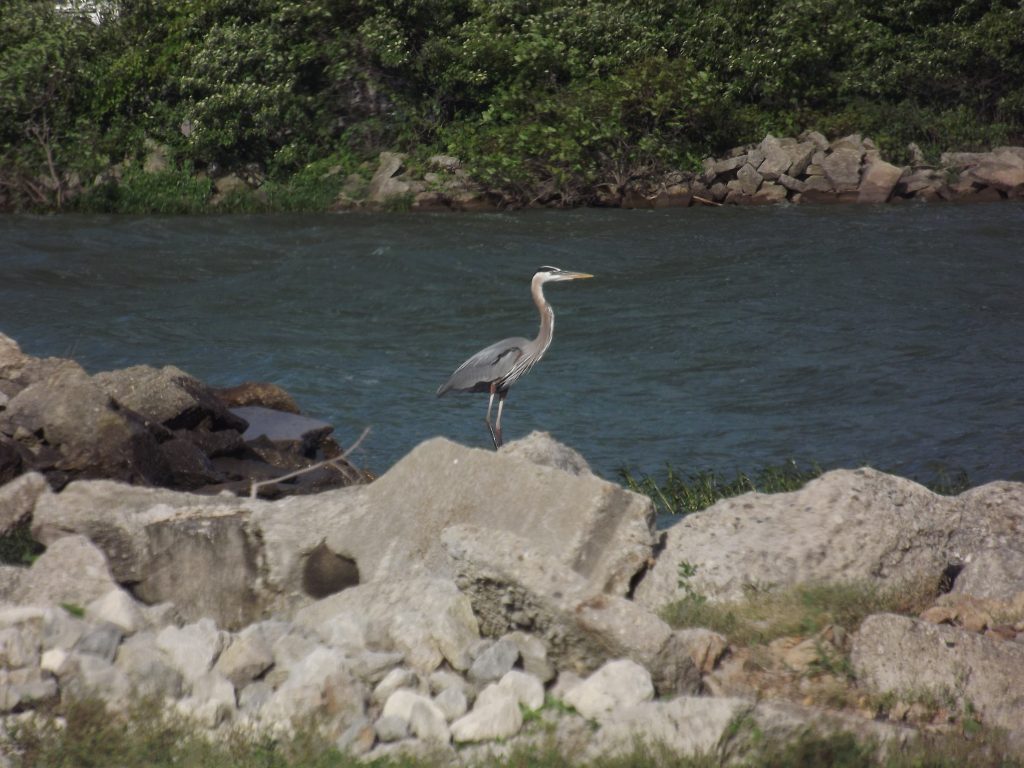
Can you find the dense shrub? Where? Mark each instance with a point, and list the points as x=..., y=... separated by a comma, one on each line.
x=542, y=98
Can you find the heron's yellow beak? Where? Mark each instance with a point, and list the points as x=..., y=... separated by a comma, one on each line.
x=578, y=275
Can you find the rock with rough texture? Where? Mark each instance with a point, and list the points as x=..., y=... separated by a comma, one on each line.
x=842, y=168
x=262, y=393
x=495, y=715
x=167, y=396
x=72, y=570
x=514, y=586
x=194, y=648
x=619, y=683
x=428, y=620
x=541, y=448
x=997, y=574
x=879, y=181
x=118, y=608
x=18, y=498
x=494, y=662
x=91, y=433
x=527, y=688
x=150, y=669
x=320, y=684
x=904, y=656
x=597, y=528
x=846, y=525
x=385, y=184
x=777, y=160
x=247, y=657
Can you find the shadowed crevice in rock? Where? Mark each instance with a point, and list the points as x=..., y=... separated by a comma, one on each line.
x=326, y=572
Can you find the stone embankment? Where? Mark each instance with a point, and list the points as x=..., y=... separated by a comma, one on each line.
x=468, y=602
x=806, y=169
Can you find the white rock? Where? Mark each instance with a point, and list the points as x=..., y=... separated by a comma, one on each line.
x=401, y=702
x=321, y=684
x=620, y=683
x=393, y=680
x=528, y=690
x=72, y=570
x=212, y=701
x=194, y=648
x=117, y=607
x=19, y=647
x=391, y=728
x=495, y=715
x=428, y=722
x=245, y=659
x=53, y=661
x=148, y=667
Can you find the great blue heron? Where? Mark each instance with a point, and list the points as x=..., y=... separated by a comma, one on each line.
x=496, y=368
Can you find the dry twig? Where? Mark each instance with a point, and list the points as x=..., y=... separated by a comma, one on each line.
x=340, y=463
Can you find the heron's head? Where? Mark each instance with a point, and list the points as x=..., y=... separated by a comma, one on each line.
x=552, y=274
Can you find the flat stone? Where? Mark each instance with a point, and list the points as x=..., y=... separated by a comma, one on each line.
x=879, y=180
x=842, y=168
x=282, y=426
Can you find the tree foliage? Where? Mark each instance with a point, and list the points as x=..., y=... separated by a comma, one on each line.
x=540, y=97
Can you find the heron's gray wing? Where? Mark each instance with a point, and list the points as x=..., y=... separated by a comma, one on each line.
x=488, y=365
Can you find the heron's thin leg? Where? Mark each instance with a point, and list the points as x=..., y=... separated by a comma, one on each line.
x=487, y=419
x=497, y=427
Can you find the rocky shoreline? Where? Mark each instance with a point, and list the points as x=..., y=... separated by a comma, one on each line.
x=468, y=602
x=802, y=170
x=807, y=169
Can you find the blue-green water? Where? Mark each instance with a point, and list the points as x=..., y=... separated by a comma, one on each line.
x=711, y=338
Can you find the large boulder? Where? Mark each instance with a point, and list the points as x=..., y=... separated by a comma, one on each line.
x=428, y=620
x=391, y=528
x=514, y=585
x=910, y=658
x=846, y=525
x=91, y=434
x=168, y=396
x=880, y=179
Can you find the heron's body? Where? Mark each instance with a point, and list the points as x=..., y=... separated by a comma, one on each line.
x=496, y=368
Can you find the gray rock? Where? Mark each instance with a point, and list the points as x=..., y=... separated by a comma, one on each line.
x=599, y=529
x=842, y=168
x=321, y=684
x=390, y=728
x=452, y=702
x=854, y=141
x=384, y=184
x=749, y=179
x=72, y=570
x=996, y=574
x=25, y=688
x=246, y=658
x=89, y=430
x=149, y=668
x=61, y=629
x=401, y=702
x=800, y=157
x=879, y=181
x=18, y=499
x=534, y=655
x=428, y=620
x=194, y=648
x=100, y=640
x=19, y=646
x=494, y=662
x=770, y=193
x=167, y=396
x=357, y=739
x=495, y=715
x=620, y=683
x=276, y=425
x=212, y=701
x=897, y=654
x=90, y=677
x=118, y=609
x=541, y=448
x=685, y=726
x=777, y=160
x=253, y=696
x=529, y=691
x=512, y=585
x=844, y=526
x=427, y=722
x=393, y=681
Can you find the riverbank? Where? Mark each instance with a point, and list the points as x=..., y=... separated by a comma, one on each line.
x=807, y=169
x=471, y=605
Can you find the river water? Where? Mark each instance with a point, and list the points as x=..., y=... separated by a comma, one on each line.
x=725, y=339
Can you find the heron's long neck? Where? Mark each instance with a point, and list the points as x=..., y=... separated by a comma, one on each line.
x=547, y=317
